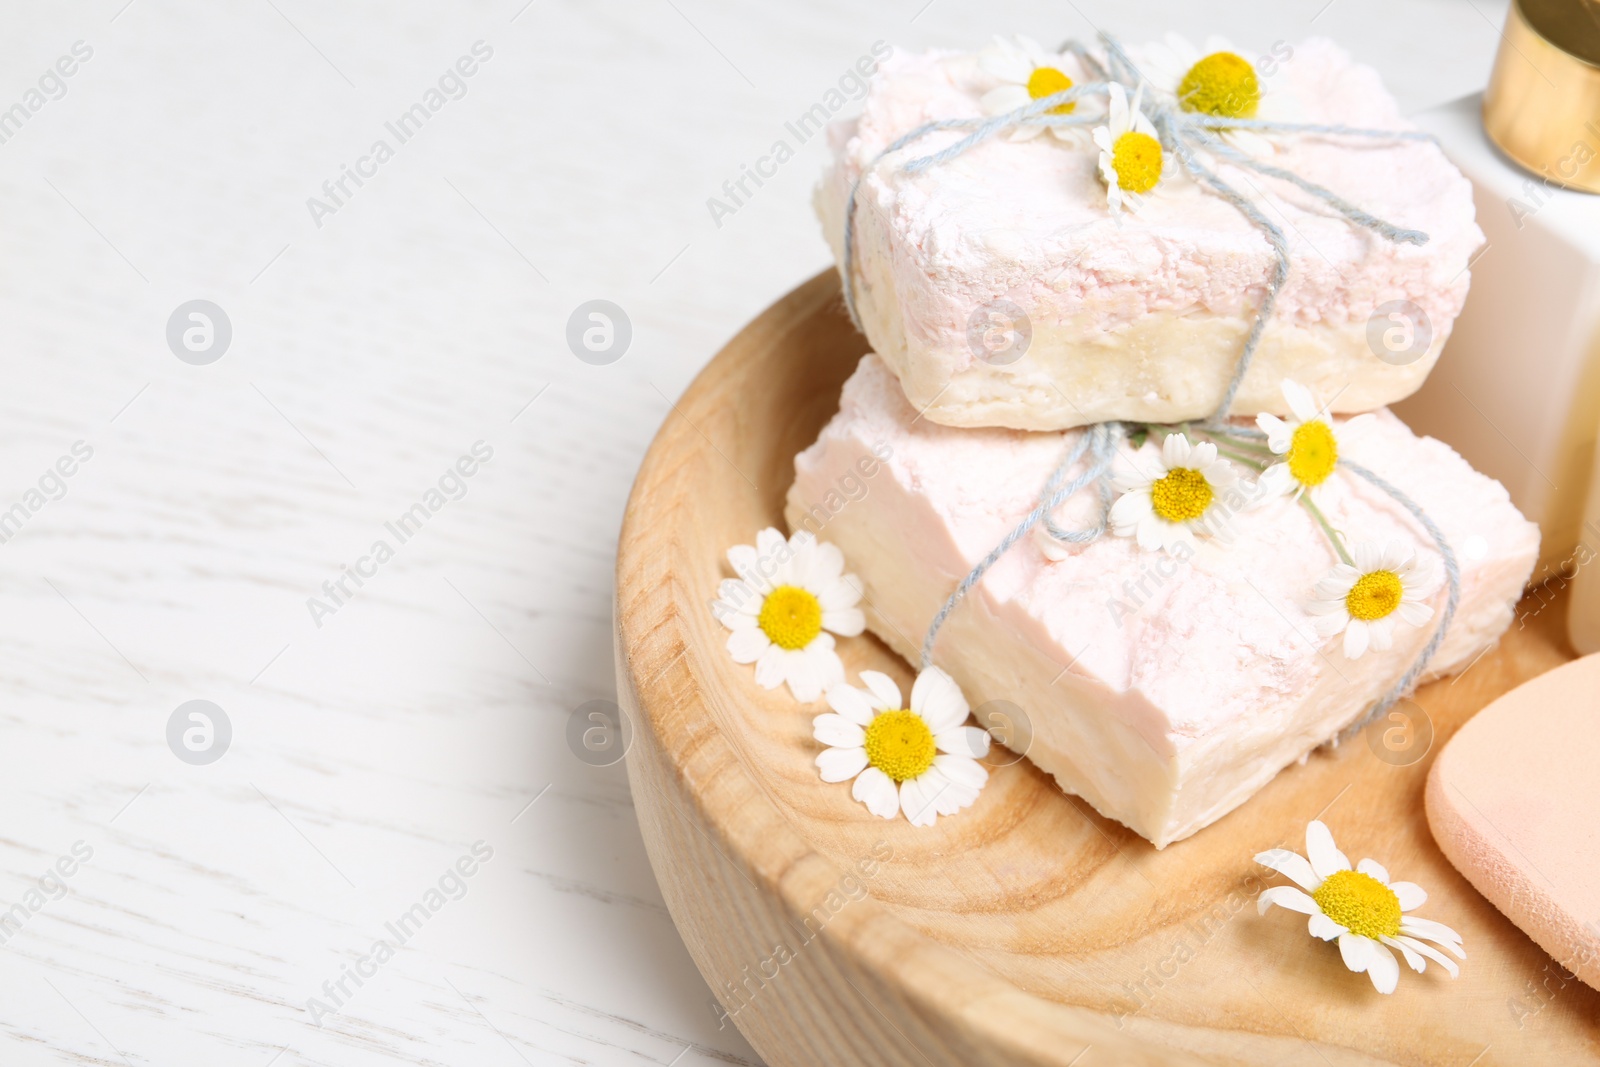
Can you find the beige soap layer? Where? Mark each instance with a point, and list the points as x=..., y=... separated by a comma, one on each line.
x=1165, y=693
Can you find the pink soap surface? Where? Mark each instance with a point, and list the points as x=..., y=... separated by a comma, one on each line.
x=1514, y=802
x=1108, y=297
x=1163, y=692
x=1030, y=220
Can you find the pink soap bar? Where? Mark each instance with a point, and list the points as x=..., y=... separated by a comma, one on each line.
x=1514, y=802
x=1164, y=692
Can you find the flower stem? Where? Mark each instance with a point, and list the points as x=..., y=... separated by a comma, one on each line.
x=1322, y=521
x=1249, y=461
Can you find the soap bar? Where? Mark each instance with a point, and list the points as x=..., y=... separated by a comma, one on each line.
x=1015, y=239
x=1163, y=691
x=1514, y=802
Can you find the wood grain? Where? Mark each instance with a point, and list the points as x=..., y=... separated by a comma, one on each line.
x=1027, y=930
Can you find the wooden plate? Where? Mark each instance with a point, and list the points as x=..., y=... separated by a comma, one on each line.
x=1027, y=929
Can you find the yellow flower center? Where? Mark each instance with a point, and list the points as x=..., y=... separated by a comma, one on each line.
x=1222, y=84
x=1048, y=81
x=791, y=617
x=900, y=744
x=1181, y=495
x=1359, y=903
x=1136, y=157
x=1374, y=595
x=1313, y=451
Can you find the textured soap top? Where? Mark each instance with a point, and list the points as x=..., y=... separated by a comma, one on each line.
x=1018, y=217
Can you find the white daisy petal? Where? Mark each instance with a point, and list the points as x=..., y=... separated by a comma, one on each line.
x=1412, y=895
x=1301, y=402
x=852, y=703
x=740, y=596
x=1325, y=857
x=1278, y=432
x=1367, y=556
x=827, y=563
x=878, y=792
x=1129, y=510
x=838, y=732
x=936, y=697
x=884, y=692
x=1328, y=625
x=1337, y=583
x=1277, y=481
x=804, y=670
x=1291, y=865
x=1397, y=556
x=846, y=622
x=1356, y=951
x=1432, y=953
x=1355, y=639
x=1380, y=634
x=1373, y=869
x=1004, y=98
x=917, y=802
x=966, y=741
x=744, y=561
x=1151, y=533
x=1006, y=61
x=1413, y=613
x=1286, y=896
x=747, y=645
x=1433, y=931
x=1382, y=968
x=947, y=797
x=841, y=764
x=1175, y=451
x=839, y=593
x=771, y=668
x=1414, y=961
x=1325, y=928
x=964, y=772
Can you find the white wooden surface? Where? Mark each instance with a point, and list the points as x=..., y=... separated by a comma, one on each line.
x=371, y=752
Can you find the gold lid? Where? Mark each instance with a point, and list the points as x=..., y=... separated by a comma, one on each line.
x=1542, y=106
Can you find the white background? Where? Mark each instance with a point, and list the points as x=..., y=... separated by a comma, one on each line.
x=369, y=353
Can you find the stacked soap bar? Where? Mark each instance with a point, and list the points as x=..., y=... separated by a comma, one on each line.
x=1109, y=300
x=1163, y=687
x=1163, y=691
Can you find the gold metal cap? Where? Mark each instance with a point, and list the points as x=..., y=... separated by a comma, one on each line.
x=1543, y=103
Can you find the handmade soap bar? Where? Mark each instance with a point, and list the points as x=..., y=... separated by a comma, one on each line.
x=1164, y=691
x=1143, y=315
x=1514, y=803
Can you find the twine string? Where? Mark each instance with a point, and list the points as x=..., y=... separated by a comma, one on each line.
x=1185, y=136
x=1100, y=442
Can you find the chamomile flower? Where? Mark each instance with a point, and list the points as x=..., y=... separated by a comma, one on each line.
x=1308, y=442
x=1131, y=157
x=1387, y=584
x=920, y=760
x=789, y=600
x=1367, y=913
x=1027, y=73
x=1165, y=506
x=1219, y=80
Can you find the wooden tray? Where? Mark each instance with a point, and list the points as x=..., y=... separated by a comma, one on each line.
x=1026, y=930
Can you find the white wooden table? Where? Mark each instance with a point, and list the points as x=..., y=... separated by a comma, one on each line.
x=381, y=732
